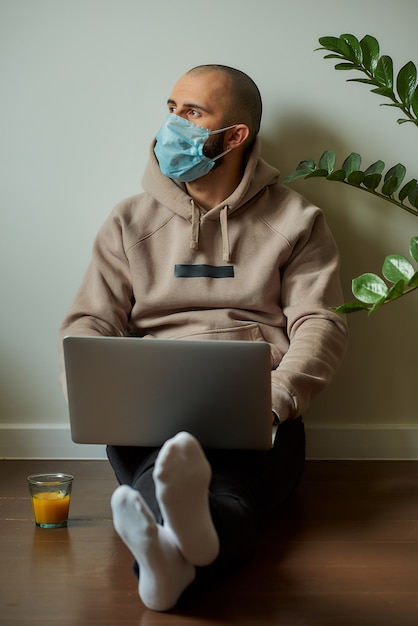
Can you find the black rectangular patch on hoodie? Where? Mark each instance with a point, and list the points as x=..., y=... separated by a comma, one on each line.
x=203, y=271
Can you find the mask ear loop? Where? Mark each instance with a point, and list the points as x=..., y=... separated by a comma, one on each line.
x=221, y=130
x=216, y=132
x=222, y=154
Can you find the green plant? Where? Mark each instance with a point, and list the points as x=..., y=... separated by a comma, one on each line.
x=370, y=289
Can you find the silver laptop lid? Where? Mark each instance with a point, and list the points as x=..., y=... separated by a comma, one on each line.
x=140, y=392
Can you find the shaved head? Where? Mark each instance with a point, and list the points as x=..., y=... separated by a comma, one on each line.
x=244, y=101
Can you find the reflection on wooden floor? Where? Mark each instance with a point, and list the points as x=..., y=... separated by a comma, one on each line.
x=343, y=553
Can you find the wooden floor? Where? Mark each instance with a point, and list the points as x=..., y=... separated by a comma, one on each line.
x=343, y=553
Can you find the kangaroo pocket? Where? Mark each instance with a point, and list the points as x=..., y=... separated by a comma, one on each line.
x=242, y=332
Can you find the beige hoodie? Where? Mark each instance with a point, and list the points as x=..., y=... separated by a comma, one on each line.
x=261, y=266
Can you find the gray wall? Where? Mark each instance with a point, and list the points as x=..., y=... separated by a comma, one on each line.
x=84, y=86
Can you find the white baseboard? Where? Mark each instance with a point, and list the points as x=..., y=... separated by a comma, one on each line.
x=362, y=442
x=327, y=441
x=44, y=441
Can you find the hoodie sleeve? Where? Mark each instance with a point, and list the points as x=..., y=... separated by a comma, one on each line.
x=103, y=302
x=317, y=335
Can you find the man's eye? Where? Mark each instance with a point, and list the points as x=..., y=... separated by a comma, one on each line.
x=172, y=109
x=194, y=113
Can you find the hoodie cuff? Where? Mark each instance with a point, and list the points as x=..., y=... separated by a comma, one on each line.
x=283, y=404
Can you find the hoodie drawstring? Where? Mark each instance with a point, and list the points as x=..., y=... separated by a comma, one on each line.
x=194, y=236
x=226, y=252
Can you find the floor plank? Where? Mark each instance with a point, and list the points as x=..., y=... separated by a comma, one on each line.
x=343, y=553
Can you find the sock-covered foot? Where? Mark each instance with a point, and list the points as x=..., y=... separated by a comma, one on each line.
x=182, y=475
x=164, y=573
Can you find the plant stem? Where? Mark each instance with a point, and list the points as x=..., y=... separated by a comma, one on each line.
x=404, y=293
x=387, y=198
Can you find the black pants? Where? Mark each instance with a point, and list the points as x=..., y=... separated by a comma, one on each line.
x=245, y=487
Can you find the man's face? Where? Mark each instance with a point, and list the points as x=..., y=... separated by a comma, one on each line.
x=203, y=100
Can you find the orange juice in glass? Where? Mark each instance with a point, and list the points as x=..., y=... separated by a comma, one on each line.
x=50, y=494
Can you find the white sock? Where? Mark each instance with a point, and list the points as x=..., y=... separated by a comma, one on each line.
x=164, y=573
x=182, y=475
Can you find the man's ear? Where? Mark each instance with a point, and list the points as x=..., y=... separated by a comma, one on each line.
x=237, y=136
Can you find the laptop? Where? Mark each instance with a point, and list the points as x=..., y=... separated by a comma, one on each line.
x=140, y=392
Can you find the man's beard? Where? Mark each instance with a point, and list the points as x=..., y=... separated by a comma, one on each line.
x=213, y=147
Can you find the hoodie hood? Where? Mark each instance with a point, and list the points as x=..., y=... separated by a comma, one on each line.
x=257, y=176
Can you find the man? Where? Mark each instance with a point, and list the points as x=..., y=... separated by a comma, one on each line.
x=214, y=248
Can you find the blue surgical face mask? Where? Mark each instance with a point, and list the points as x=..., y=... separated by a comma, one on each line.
x=179, y=149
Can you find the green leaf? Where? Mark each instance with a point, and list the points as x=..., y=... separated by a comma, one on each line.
x=393, y=179
x=396, y=291
x=350, y=307
x=398, y=171
x=384, y=72
x=327, y=161
x=413, y=196
x=413, y=282
x=338, y=175
x=384, y=91
x=346, y=66
x=356, y=52
x=356, y=178
x=329, y=43
x=395, y=105
x=403, y=194
x=377, y=305
x=372, y=181
x=307, y=164
x=413, y=248
x=351, y=163
x=405, y=83
x=414, y=102
x=303, y=169
x=369, y=288
x=407, y=121
x=397, y=267
x=371, y=51
x=296, y=175
x=318, y=174
x=390, y=186
x=365, y=81
x=373, y=175
x=334, y=44
x=332, y=56
x=375, y=168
